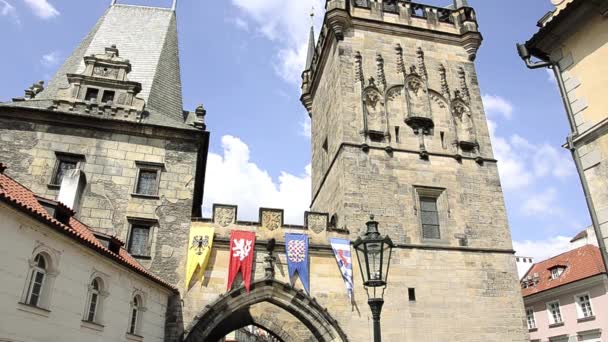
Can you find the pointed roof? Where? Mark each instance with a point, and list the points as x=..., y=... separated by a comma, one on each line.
x=311, y=48
x=147, y=37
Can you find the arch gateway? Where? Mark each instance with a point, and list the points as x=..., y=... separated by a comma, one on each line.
x=237, y=309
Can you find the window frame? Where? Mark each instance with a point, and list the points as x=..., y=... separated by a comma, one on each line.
x=579, y=310
x=37, y=270
x=60, y=157
x=531, y=317
x=557, y=271
x=51, y=258
x=552, y=321
x=148, y=167
x=137, y=308
x=151, y=225
x=440, y=196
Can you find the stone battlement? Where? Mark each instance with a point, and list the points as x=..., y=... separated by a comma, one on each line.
x=272, y=220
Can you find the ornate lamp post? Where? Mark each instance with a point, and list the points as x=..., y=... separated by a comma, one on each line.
x=374, y=256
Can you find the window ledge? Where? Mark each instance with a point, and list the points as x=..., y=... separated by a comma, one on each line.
x=132, y=337
x=586, y=319
x=439, y=241
x=34, y=310
x=136, y=195
x=533, y=330
x=92, y=325
x=53, y=186
x=555, y=325
x=142, y=257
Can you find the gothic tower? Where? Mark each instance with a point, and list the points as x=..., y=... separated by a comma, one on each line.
x=109, y=137
x=399, y=131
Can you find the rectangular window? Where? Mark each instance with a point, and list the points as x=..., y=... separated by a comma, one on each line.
x=530, y=318
x=148, y=179
x=583, y=305
x=91, y=94
x=140, y=239
x=108, y=96
x=429, y=218
x=555, y=314
x=64, y=163
x=412, y=294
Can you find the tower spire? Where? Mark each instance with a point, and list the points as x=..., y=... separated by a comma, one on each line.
x=311, y=40
x=174, y=6
x=113, y=3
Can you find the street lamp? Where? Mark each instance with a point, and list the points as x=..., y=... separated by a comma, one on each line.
x=374, y=256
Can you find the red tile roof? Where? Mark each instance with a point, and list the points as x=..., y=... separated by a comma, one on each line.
x=19, y=197
x=581, y=263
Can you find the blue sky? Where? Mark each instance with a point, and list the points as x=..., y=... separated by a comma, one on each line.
x=242, y=60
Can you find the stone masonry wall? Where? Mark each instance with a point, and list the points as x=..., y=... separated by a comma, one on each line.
x=460, y=295
x=29, y=150
x=466, y=281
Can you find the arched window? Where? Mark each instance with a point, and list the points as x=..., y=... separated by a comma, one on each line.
x=37, y=281
x=93, y=302
x=135, y=313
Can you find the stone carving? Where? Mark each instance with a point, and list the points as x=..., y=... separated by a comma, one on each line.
x=106, y=72
x=272, y=220
x=465, y=128
x=316, y=222
x=417, y=95
x=224, y=216
x=421, y=64
x=35, y=89
x=373, y=103
x=359, y=76
x=464, y=89
x=445, y=88
x=400, y=63
x=381, y=75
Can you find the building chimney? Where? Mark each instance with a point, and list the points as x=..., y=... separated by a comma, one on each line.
x=2, y=168
x=72, y=186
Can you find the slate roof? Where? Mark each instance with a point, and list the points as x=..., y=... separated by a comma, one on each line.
x=21, y=198
x=147, y=37
x=579, y=236
x=580, y=263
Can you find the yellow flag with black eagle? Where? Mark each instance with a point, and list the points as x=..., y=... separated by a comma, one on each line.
x=199, y=250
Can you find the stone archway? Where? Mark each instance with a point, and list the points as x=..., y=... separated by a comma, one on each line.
x=231, y=312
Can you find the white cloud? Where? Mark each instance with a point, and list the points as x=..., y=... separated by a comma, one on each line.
x=287, y=24
x=305, y=126
x=8, y=10
x=51, y=59
x=497, y=105
x=541, y=204
x=42, y=8
x=239, y=23
x=233, y=179
x=520, y=162
x=542, y=250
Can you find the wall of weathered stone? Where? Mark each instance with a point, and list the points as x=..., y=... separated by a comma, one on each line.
x=29, y=150
x=460, y=295
x=468, y=277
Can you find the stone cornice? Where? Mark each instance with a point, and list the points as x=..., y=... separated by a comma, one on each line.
x=114, y=126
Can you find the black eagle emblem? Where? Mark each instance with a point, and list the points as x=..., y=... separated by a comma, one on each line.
x=200, y=243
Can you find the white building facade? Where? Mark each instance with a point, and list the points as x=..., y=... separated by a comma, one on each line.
x=57, y=286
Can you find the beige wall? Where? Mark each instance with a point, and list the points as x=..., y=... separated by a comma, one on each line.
x=461, y=296
x=75, y=265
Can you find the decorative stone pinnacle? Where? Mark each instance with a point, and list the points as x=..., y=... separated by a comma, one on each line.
x=200, y=110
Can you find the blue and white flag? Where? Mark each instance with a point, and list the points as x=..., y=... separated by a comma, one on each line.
x=341, y=249
x=296, y=246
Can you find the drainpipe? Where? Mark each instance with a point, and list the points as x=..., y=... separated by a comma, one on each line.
x=526, y=57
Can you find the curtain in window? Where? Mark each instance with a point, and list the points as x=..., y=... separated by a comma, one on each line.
x=146, y=184
x=139, y=241
x=64, y=166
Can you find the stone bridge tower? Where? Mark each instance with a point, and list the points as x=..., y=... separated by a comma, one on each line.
x=399, y=131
